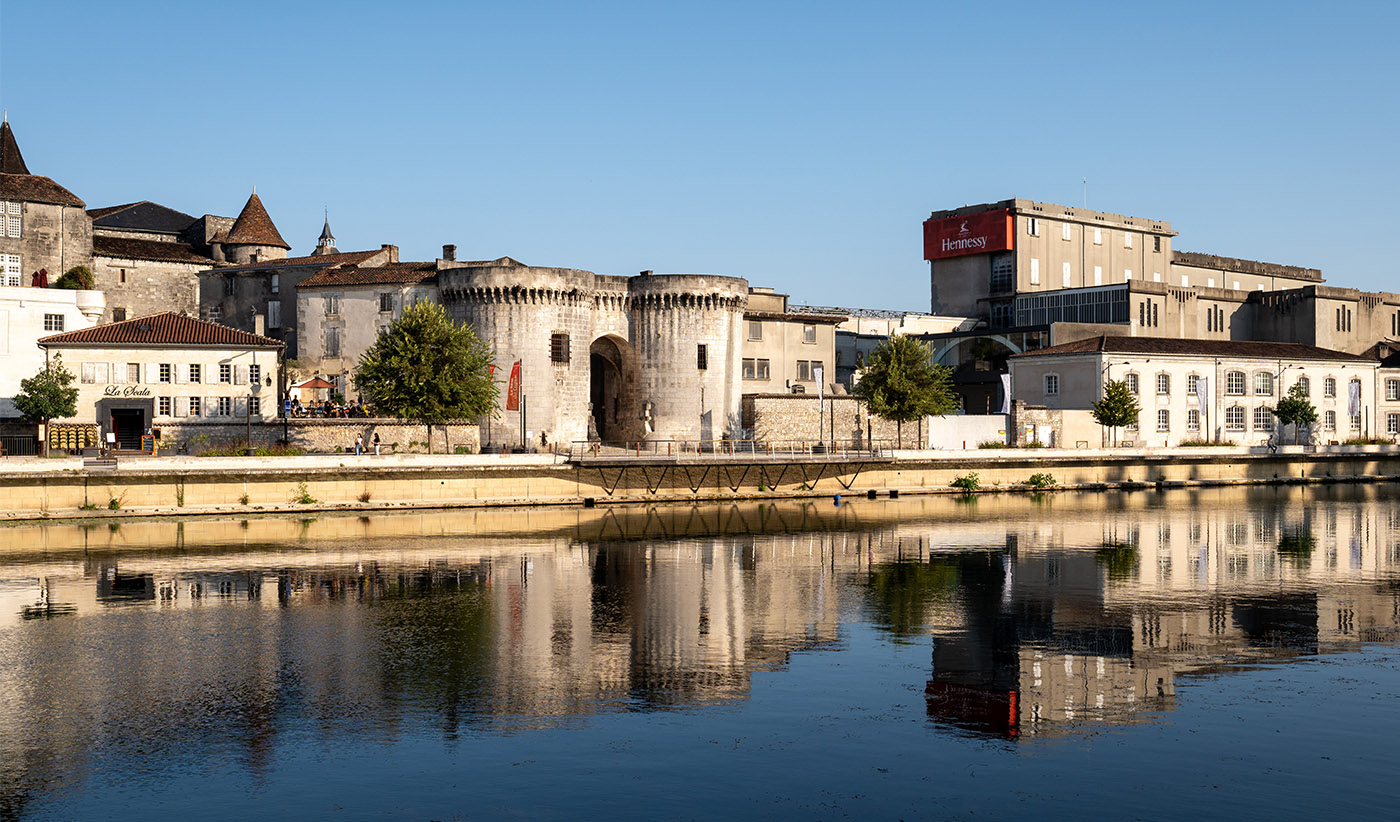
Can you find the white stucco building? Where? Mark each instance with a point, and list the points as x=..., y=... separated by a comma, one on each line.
x=26, y=314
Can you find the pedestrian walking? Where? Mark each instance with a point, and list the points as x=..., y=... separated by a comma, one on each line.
x=359, y=444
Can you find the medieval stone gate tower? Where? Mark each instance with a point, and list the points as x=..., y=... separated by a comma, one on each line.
x=620, y=359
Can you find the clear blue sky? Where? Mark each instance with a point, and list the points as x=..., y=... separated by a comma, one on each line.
x=799, y=145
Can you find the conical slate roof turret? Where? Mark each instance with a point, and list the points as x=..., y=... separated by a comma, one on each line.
x=325, y=244
x=254, y=226
x=11, y=161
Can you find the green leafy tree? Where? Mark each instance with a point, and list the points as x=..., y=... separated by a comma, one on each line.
x=1296, y=410
x=1118, y=407
x=901, y=383
x=77, y=278
x=47, y=396
x=426, y=367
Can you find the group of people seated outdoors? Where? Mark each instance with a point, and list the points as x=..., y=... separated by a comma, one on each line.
x=330, y=409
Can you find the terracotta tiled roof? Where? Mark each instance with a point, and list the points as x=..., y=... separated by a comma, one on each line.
x=127, y=248
x=1199, y=348
x=32, y=188
x=254, y=227
x=162, y=329
x=323, y=261
x=397, y=274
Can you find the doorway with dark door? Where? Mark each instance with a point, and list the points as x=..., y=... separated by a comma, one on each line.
x=128, y=424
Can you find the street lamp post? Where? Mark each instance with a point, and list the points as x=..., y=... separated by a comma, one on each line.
x=254, y=386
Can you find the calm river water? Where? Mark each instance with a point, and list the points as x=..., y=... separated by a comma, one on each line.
x=1221, y=653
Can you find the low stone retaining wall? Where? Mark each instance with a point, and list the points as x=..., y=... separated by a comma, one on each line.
x=158, y=486
x=323, y=435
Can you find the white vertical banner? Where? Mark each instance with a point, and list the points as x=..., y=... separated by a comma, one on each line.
x=817, y=373
x=1202, y=396
x=1005, y=394
x=1354, y=398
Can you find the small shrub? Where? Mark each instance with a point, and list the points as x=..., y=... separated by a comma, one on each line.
x=88, y=506
x=462, y=449
x=1035, y=445
x=1041, y=481
x=79, y=277
x=114, y=504
x=364, y=496
x=243, y=499
x=967, y=482
x=302, y=495
x=1367, y=441
x=992, y=444
x=1201, y=444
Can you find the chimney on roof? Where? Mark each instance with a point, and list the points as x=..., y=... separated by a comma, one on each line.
x=393, y=251
x=646, y=273
x=449, y=253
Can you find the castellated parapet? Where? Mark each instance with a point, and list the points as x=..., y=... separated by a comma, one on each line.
x=618, y=359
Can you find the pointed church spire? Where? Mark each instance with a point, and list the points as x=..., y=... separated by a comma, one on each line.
x=11, y=161
x=325, y=244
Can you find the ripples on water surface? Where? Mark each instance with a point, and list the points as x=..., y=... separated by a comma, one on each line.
x=1215, y=653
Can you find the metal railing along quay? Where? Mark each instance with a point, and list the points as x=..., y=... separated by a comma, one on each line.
x=728, y=450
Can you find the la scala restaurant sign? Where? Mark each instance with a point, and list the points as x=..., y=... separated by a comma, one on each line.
x=968, y=234
x=126, y=391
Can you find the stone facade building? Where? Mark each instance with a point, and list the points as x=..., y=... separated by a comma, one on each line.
x=136, y=375
x=785, y=349
x=146, y=259
x=43, y=226
x=620, y=359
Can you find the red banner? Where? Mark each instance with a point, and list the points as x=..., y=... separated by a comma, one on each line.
x=513, y=388
x=968, y=234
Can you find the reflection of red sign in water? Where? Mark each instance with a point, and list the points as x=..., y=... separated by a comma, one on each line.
x=513, y=388
x=968, y=234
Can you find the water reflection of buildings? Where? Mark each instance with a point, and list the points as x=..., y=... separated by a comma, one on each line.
x=1095, y=620
x=167, y=639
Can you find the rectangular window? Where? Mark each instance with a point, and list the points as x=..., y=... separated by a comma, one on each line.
x=1127, y=274
x=1052, y=384
x=386, y=302
x=1065, y=274
x=1156, y=276
x=11, y=219
x=1003, y=272
x=1164, y=384
x=87, y=372
x=1132, y=382
x=1263, y=384
x=1210, y=282
x=1234, y=383
x=133, y=372
x=1392, y=390
x=254, y=406
x=1098, y=275
x=53, y=322
x=255, y=374
x=1156, y=245
x=214, y=313
x=196, y=406
x=275, y=283
x=225, y=373
x=1127, y=239
x=11, y=267
x=702, y=357
x=1035, y=271
x=1193, y=420
x=274, y=313
x=1329, y=420
x=1033, y=227
x=559, y=348
x=1185, y=281
x=332, y=305
x=230, y=285
x=755, y=330
x=1234, y=418
x=805, y=371
x=1356, y=422
x=1193, y=384
x=1098, y=236
x=755, y=369
x=225, y=407
x=1392, y=423
x=1263, y=418
x=1065, y=231
x=163, y=406
x=1164, y=419
x=166, y=371
x=1329, y=387
x=195, y=372
x=809, y=334
x=332, y=342
x=118, y=315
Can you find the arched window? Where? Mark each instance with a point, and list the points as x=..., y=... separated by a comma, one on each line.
x=1263, y=384
x=1132, y=381
x=1234, y=418
x=1305, y=386
x=1234, y=383
x=1329, y=387
x=1164, y=384
x=1263, y=418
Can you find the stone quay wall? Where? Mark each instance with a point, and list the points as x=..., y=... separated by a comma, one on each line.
x=840, y=419
x=319, y=436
